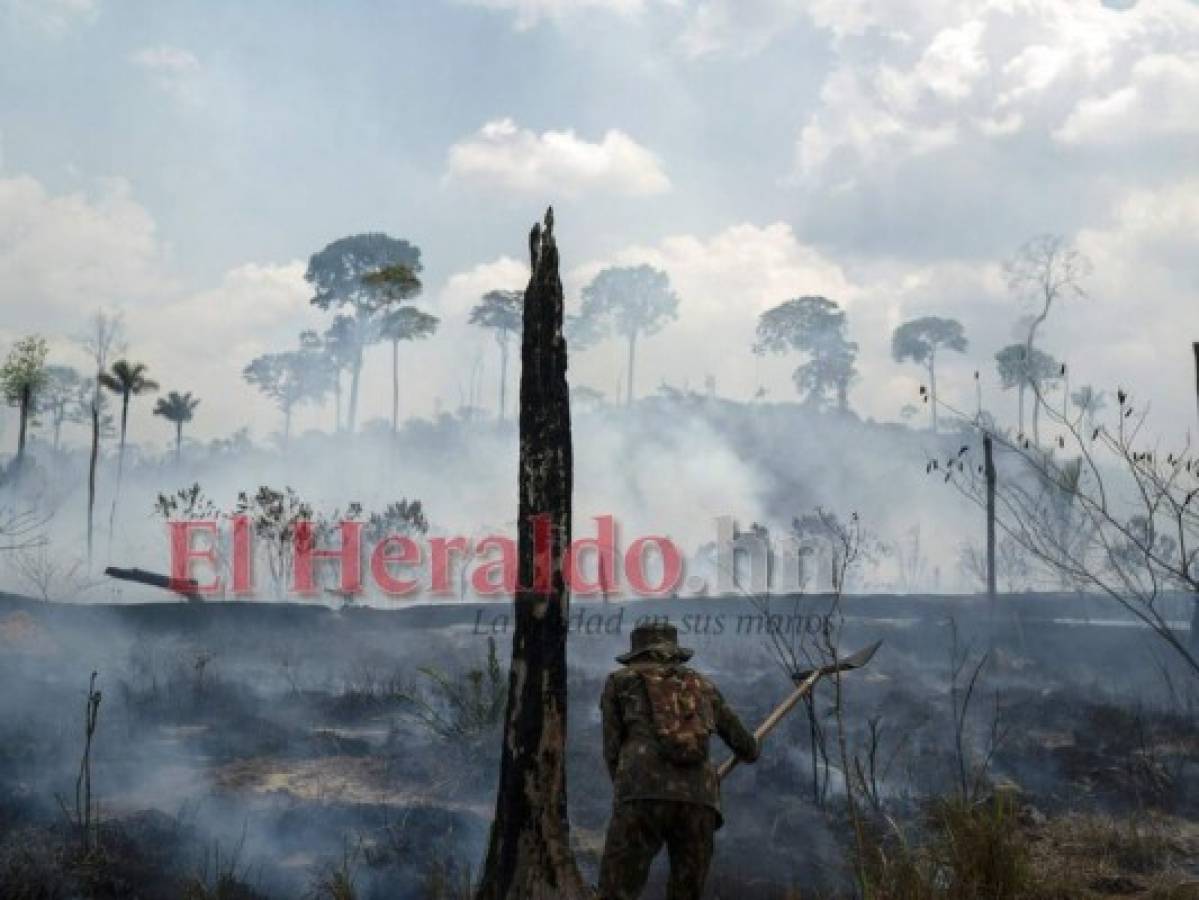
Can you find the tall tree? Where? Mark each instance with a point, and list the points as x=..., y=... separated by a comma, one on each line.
x=177, y=408
x=126, y=380
x=920, y=339
x=1088, y=402
x=501, y=312
x=59, y=394
x=528, y=854
x=337, y=344
x=21, y=378
x=337, y=275
x=397, y=322
x=292, y=377
x=815, y=326
x=1022, y=368
x=1044, y=271
x=630, y=302
x=103, y=338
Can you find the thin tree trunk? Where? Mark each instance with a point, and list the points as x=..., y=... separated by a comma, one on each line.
x=632, y=358
x=529, y=855
x=91, y=472
x=112, y=512
x=1195, y=609
x=1036, y=416
x=178, y=441
x=989, y=468
x=57, y=431
x=356, y=373
x=1020, y=394
x=25, y=397
x=337, y=402
x=395, y=387
x=932, y=386
x=503, y=339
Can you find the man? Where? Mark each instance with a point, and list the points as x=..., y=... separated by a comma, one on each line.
x=657, y=716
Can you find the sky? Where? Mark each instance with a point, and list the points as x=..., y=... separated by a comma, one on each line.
x=179, y=162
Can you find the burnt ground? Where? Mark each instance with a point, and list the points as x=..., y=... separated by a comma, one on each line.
x=277, y=750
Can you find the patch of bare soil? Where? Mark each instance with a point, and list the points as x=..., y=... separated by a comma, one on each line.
x=369, y=780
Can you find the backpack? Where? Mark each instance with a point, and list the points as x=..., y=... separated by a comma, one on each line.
x=681, y=713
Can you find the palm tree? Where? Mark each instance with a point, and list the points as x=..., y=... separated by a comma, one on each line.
x=126, y=380
x=177, y=408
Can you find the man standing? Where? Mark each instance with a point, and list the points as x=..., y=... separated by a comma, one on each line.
x=657, y=717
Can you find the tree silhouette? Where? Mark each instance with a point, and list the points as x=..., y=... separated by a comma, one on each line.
x=21, y=378
x=177, y=408
x=628, y=302
x=59, y=393
x=1088, y=402
x=103, y=338
x=1043, y=271
x=397, y=285
x=920, y=339
x=501, y=312
x=338, y=272
x=338, y=346
x=292, y=377
x=1021, y=368
x=126, y=380
x=815, y=326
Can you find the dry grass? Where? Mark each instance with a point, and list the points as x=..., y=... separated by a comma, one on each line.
x=990, y=852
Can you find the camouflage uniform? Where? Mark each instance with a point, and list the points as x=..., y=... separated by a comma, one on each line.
x=658, y=801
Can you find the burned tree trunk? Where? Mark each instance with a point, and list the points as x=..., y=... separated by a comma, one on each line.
x=529, y=856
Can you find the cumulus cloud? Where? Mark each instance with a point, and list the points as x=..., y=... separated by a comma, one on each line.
x=503, y=155
x=1159, y=100
x=60, y=253
x=952, y=73
x=463, y=290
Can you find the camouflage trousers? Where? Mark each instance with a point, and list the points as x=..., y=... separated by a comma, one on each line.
x=637, y=832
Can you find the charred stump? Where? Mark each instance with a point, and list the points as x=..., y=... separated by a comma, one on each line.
x=529, y=855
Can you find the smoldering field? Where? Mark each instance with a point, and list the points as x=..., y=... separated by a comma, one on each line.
x=286, y=750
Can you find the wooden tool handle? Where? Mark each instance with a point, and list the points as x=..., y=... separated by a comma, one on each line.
x=774, y=718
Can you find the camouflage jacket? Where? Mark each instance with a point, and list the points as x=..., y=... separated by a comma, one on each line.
x=639, y=770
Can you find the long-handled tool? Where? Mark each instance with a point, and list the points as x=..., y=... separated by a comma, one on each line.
x=805, y=681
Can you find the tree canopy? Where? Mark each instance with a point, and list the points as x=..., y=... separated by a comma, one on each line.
x=816, y=326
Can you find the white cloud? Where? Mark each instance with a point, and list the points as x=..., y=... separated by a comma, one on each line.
x=736, y=27
x=60, y=254
x=64, y=256
x=505, y=156
x=1159, y=100
x=464, y=289
x=910, y=80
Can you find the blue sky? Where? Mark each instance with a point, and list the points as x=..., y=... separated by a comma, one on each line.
x=179, y=161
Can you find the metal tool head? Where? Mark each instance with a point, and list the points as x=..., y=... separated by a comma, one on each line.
x=856, y=661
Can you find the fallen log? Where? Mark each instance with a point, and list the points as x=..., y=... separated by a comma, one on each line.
x=186, y=587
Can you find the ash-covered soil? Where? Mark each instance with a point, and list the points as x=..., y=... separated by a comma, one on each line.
x=278, y=750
